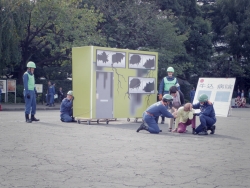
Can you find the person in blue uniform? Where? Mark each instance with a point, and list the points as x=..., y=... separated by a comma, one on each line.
x=66, y=108
x=50, y=94
x=151, y=115
x=30, y=92
x=165, y=85
x=192, y=94
x=207, y=115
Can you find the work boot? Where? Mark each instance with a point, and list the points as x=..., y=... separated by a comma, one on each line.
x=204, y=132
x=193, y=131
x=73, y=119
x=212, y=129
x=142, y=127
x=33, y=118
x=28, y=120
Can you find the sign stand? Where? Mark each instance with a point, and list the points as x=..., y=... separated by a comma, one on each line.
x=11, y=87
x=39, y=89
x=219, y=92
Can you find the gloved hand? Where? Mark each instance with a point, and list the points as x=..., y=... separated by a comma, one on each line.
x=28, y=96
x=160, y=97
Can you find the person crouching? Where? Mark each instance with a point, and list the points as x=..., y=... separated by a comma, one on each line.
x=66, y=108
x=185, y=117
x=207, y=115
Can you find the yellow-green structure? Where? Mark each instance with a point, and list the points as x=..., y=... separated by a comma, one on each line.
x=113, y=83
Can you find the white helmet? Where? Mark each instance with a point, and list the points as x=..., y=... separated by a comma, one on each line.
x=70, y=93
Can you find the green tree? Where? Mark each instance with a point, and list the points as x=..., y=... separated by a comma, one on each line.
x=230, y=22
x=54, y=27
x=140, y=25
x=12, y=15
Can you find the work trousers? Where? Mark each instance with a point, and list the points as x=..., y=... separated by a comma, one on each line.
x=182, y=127
x=30, y=104
x=50, y=98
x=152, y=123
x=206, y=121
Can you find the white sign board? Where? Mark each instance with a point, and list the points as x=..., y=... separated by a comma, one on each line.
x=39, y=88
x=3, y=85
x=219, y=92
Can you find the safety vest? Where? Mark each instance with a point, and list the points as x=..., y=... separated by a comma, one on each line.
x=31, y=81
x=168, y=84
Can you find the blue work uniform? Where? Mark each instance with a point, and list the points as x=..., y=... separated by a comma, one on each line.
x=66, y=110
x=207, y=116
x=151, y=116
x=162, y=89
x=30, y=103
x=50, y=95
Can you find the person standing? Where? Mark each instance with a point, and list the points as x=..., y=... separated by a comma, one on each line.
x=192, y=94
x=238, y=93
x=30, y=92
x=242, y=93
x=50, y=94
x=178, y=101
x=165, y=85
x=60, y=94
x=66, y=108
x=53, y=95
x=152, y=113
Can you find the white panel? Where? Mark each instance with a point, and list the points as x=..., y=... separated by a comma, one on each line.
x=219, y=91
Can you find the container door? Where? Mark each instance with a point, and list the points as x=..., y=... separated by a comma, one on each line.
x=104, y=95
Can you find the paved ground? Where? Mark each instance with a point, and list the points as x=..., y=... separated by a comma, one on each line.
x=20, y=106
x=50, y=153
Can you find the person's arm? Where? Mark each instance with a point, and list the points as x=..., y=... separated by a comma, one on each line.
x=68, y=103
x=191, y=114
x=165, y=112
x=25, y=83
x=208, y=110
x=196, y=106
x=177, y=85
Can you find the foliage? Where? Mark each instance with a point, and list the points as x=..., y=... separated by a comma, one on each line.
x=210, y=40
x=12, y=15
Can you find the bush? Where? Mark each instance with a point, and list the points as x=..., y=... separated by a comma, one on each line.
x=11, y=97
x=19, y=94
x=185, y=89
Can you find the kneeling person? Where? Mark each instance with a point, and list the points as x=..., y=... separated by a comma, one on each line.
x=151, y=115
x=66, y=108
x=185, y=117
